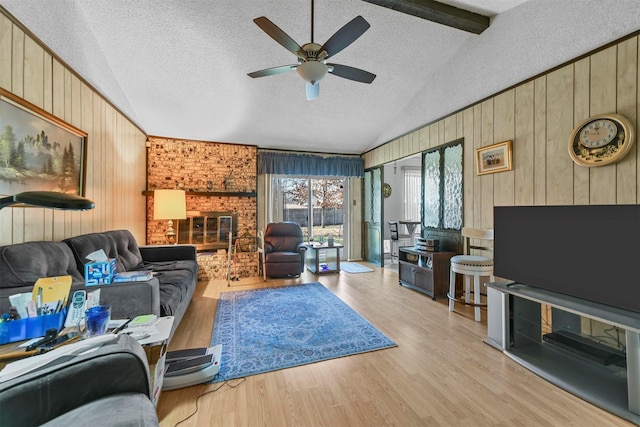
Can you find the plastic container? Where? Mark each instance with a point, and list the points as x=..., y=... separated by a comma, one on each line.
x=31, y=327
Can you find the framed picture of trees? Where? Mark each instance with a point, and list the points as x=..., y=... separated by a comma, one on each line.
x=38, y=151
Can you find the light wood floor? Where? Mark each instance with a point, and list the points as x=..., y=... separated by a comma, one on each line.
x=441, y=373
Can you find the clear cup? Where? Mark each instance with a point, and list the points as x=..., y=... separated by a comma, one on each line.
x=96, y=320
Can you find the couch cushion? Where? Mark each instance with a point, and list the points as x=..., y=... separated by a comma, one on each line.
x=126, y=247
x=22, y=264
x=277, y=257
x=118, y=244
x=176, y=279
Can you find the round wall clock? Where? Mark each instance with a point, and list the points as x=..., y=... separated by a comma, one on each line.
x=386, y=190
x=601, y=140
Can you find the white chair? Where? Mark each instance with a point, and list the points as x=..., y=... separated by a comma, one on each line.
x=397, y=239
x=475, y=266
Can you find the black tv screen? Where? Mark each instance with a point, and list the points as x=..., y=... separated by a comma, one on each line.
x=590, y=252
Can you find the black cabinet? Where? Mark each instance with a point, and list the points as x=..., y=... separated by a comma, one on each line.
x=427, y=272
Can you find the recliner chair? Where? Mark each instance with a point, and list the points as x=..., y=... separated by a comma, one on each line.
x=282, y=250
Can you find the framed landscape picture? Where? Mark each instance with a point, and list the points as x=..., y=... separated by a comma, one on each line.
x=38, y=151
x=494, y=158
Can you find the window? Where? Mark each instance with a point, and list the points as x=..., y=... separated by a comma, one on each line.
x=412, y=190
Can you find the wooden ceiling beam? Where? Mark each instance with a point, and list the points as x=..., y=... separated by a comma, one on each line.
x=438, y=12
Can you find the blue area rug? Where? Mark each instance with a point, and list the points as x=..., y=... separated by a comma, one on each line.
x=352, y=267
x=264, y=330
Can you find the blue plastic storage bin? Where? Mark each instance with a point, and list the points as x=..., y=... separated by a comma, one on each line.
x=31, y=327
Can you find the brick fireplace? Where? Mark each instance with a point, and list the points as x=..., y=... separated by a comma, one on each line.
x=220, y=184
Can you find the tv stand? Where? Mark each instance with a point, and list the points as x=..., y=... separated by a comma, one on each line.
x=514, y=326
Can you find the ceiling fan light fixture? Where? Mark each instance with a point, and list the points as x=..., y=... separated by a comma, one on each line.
x=312, y=71
x=312, y=57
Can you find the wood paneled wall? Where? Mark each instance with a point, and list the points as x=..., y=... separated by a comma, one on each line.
x=116, y=151
x=538, y=115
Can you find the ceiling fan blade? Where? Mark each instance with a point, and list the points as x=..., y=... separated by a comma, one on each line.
x=345, y=36
x=312, y=91
x=272, y=71
x=351, y=73
x=278, y=35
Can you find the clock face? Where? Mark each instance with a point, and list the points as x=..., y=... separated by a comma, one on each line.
x=601, y=140
x=386, y=190
x=598, y=133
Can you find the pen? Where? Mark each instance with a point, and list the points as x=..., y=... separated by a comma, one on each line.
x=32, y=310
x=121, y=327
x=39, y=302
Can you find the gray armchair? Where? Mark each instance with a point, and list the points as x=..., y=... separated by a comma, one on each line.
x=107, y=387
x=282, y=250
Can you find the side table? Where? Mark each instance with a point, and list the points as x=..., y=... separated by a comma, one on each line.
x=323, y=259
x=155, y=347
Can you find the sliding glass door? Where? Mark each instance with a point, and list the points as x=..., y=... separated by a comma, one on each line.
x=315, y=203
x=291, y=201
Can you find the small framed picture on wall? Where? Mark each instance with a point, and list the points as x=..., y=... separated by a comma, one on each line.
x=494, y=158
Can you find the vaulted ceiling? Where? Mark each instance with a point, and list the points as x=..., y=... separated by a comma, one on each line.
x=178, y=68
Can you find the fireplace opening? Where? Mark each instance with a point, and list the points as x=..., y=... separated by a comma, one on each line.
x=207, y=230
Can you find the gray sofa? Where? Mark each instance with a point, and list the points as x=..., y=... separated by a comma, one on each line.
x=167, y=294
x=106, y=387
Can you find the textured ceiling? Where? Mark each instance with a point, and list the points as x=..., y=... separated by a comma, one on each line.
x=178, y=68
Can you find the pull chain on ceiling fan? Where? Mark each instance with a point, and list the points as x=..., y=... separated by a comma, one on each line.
x=312, y=63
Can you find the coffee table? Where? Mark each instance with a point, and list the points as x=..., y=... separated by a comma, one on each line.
x=12, y=351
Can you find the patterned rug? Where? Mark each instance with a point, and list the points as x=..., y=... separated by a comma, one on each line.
x=264, y=330
x=354, y=267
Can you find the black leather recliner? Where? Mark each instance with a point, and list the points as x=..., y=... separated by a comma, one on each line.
x=283, y=250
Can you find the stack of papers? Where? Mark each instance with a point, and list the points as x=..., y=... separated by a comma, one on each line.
x=141, y=327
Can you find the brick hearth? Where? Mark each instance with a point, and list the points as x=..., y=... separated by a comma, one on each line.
x=217, y=178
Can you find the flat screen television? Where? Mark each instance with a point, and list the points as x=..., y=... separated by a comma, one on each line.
x=590, y=252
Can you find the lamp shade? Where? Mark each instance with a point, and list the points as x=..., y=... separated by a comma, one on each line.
x=48, y=199
x=169, y=204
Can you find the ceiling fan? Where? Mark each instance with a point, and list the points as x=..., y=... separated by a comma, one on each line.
x=312, y=63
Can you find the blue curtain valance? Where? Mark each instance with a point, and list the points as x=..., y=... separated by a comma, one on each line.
x=309, y=165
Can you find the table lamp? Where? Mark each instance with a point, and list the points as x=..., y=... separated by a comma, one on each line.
x=169, y=205
x=47, y=199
